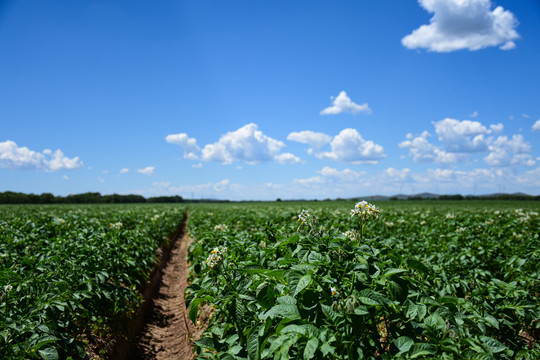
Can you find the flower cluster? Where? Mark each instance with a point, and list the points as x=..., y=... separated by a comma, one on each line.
x=221, y=227
x=304, y=216
x=116, y=225
x=365, y=210
x=215, y=256
x=352, y=234
x=334, y=291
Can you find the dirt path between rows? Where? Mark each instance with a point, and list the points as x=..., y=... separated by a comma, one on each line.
x=167, y=332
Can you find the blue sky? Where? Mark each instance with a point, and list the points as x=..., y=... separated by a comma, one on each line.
x=266, y=99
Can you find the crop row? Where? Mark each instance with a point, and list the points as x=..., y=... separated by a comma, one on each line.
x=421, y=282
x=69, y=274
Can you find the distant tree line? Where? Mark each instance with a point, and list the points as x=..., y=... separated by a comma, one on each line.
x=10, y=197
x=473, y=197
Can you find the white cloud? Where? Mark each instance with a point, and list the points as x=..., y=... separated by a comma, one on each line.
x=314, y=139
x=331, y=175
x=461, y=139
x=343, y=104
x=536, y=126
x=188, y=144
x=507, y=152
x=149, y=170
x=15, y=157
x=161, y=184
x=61, y=162
x=526, y=116
x=496, y=127
x=474, y=114
x=530, y=178
x=124, y=171
x=462, y=136
x=65, y=177
x=396, y=175
x=287, y=158
x=247, y=144
x=349, y=146
x=463, y=24
x=424, y=151
x=212, y=189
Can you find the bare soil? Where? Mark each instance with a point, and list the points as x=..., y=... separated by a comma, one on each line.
x=168, y=333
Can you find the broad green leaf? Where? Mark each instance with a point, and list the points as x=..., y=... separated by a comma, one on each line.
x=403, y=343
x=435, y=321
x=424, y=350
x=207, y=343
x=302, y=284
x=394, y=271
x=253, y=344
x=311, y=347
x=492, y=344
x=282, y=310
x=370, y=297
x=492, y=321
x=418, y=265
x=265, y=295
x=327, y=349
x=49, y=353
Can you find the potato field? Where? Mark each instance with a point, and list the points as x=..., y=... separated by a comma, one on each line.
x=338, y=281
x=281, y=280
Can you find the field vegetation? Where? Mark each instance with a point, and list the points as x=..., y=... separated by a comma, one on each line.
x=450, y=280
x=283, y=280
x=73, y=274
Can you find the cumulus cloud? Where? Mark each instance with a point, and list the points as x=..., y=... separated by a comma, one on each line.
x=314, y=139
x=536, y=126
x=425, y=152
x=247, y=144
x=396, y=175
x=507, y=152
x=124, y=171
x=463, y=24
x=461, y=139
x=343, y=104
x=188, y=144
x=287, y=158
x=349, y=146
x=15, y=157
x=208, y=189
x=332, y=175
x=462, y=136
x=149, y=170
x=496, y=127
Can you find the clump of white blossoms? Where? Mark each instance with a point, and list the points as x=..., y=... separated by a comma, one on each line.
x=116, y=225
x=221, y=227
x=352, y=234
x=333, y=291
x=215, y=256
x=304, y=216
x=365, y=210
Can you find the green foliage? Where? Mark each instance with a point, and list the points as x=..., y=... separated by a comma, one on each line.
x=69, y=271
x=450, y=283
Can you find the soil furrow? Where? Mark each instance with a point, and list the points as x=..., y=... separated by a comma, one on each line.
x=167, y=331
